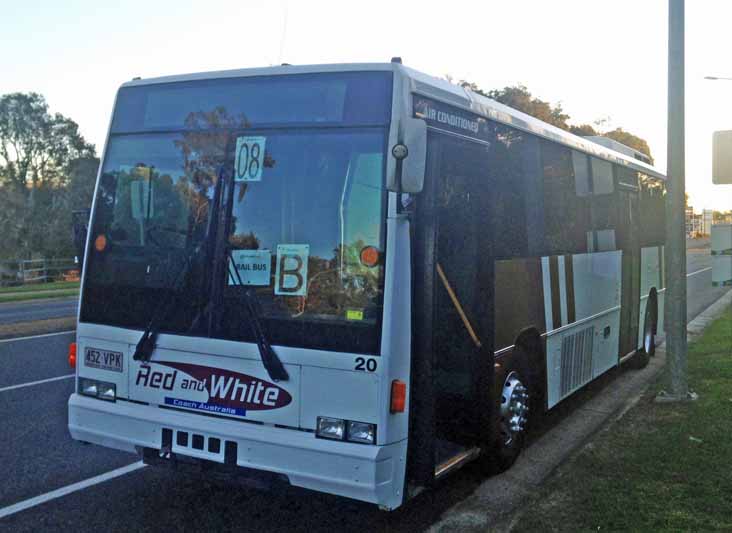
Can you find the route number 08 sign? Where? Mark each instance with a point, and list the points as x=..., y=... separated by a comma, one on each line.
x=249, y=159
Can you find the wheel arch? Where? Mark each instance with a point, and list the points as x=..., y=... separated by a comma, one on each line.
x=532, y=344
x=530, y=340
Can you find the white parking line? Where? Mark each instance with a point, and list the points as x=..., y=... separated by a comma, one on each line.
x=37, y=336
x=31, y=383
x=63, y=491
x=699, y=271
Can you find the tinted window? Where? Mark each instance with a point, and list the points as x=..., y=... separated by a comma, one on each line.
x=309, y=219
x=627, y=176
x=652, y=211
x=307, y=202
x=566, y=202
x=153, y=206
x=604, y=206
x=343, y=98
x=512, y=172
x=602, y=177
x=582, y=179
x=297, y=233
x=510, y=175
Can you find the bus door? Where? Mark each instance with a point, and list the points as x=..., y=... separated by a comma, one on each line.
x=461, y=301
x=628, y=220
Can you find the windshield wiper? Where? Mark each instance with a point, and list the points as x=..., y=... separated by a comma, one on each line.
x=146, y=344
x=271, y=362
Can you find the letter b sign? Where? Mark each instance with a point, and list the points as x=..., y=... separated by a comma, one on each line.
x=292, y=269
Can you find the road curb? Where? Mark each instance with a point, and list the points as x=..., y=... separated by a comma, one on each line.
x=494, y=504
x=697, y=326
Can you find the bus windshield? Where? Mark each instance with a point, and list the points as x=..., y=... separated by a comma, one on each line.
x=298, y=232
x=302, y=227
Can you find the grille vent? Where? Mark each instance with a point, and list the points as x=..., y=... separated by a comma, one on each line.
x=576, y=360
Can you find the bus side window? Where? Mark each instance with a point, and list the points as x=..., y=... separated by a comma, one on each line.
x=627, y=202
x=604, y=206
x=566, y=202
x=652, y=211
x=510, y=186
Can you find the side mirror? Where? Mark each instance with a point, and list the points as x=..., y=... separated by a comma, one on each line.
x=412, y=153
x=722, y=158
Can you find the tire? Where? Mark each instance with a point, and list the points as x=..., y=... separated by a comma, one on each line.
x=514, y=418
x=648, y=350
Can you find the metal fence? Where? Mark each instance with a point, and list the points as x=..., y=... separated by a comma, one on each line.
x=26, y=271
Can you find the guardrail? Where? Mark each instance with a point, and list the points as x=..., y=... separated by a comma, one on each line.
x=26, y=271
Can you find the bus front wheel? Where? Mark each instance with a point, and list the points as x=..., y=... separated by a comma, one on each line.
x=513, y=417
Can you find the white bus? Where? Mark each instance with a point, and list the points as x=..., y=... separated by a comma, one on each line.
x=355, y=278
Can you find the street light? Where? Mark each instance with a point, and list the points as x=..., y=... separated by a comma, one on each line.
x=675, y=305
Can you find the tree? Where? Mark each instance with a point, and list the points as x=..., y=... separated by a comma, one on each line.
x=583, y=130
x=42, y=159
x=36, y=146
x=518, y=97
x=628, y=139
x=77, y=194
x=12, y=206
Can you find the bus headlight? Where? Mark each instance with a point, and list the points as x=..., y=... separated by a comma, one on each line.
x=361, y=432
x=331, y=428
x=87, y=387
x=350, y=430
x=106, y=391
x=98, y=389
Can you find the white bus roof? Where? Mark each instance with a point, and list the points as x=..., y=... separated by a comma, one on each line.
x=618, y=147
x=437, y=89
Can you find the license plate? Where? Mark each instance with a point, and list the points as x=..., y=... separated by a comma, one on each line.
x=103, y=359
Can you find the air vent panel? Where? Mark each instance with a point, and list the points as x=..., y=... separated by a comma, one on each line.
x=576, y=366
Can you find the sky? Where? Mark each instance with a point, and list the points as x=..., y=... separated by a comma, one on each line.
x=599, y=59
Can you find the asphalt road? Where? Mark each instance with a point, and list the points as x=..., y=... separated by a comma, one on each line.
x=700, y=292
x=14, y=312
x=37, y=456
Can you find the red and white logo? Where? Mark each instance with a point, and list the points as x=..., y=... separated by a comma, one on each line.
x=226, y=388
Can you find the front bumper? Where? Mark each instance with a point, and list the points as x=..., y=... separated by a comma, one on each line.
x=369, y=473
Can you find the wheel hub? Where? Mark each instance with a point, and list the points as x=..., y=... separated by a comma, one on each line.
x=514, y=408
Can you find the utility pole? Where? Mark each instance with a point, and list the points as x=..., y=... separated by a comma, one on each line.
x=675, y=302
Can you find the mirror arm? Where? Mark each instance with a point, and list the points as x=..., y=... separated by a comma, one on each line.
x=398, y=172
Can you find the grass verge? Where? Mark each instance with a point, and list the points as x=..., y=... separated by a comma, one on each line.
x=37, y=327
x=35, y=287
x=4, y=298
x=662, y=467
